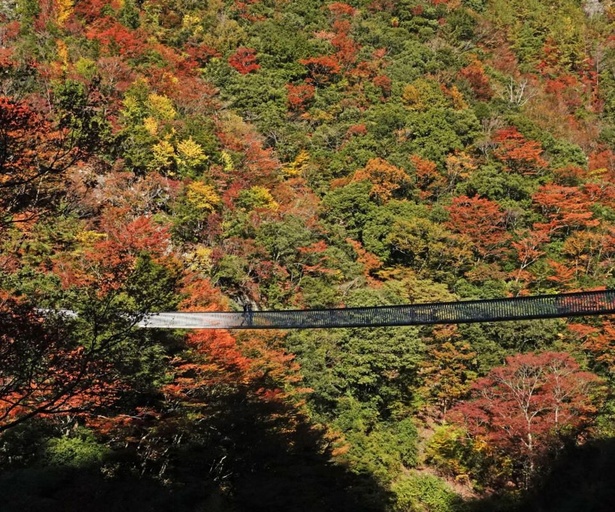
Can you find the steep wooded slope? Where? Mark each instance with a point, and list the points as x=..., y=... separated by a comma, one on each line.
x=206, y=155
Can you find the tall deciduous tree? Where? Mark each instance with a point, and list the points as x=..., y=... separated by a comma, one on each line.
x=33, y=154
x=518, y=153
x=43, y=370
x=483, y=221
x=386, y=179
x=65, y=364
x=528, y=407
x=565, y=208
x=449, y=367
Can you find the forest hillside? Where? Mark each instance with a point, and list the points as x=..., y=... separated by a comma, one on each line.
x=165, y=155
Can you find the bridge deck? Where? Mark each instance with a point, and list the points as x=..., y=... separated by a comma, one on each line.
x=495, y=310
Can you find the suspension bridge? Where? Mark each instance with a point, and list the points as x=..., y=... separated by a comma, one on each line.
x=470, y=311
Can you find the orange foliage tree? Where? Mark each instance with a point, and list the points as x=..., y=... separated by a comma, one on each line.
x=565, y=209
x=475, y=74
x=44, y=371
x=299, y=96
x=519, y=154
x=321, y=70
x=386, y=179
x=33, y=155
x=482, y=221
x=430, y=181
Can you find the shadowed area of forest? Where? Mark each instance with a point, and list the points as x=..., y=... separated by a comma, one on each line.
x=233, y=462
x=582, y=478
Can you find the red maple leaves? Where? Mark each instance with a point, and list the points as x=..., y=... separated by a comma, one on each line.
x=244, y=60
x=525, y=408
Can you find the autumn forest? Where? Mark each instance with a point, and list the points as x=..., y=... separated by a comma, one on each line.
x=218, y=155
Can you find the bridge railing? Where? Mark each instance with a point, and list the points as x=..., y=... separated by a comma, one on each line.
x=492, y=310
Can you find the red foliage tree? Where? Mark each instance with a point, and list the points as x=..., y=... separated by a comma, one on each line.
x=107, y=263
x=44, y=371
x=527, y=407
x=247, y=11
x=322, y=69
x=478, y=80
x=384, y=83
x=90, y=10
x=56, y=364
x=529, y=250
x=259, y=163
x=602, y=158
x=202, y=53
x=598, y=341
x=566, y=90
x=340, y=9
x=356, y=130
x=299, y=96
x=346, y=47
x=244, y=60
x=116, y=39
x=213, y=376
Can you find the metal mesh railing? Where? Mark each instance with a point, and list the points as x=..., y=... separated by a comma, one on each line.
x=494, y=310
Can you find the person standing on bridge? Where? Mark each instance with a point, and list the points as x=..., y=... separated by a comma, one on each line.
x=248, y=314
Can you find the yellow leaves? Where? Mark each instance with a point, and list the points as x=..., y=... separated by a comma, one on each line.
x=161, y=107
x=131, y=104
x=582, y=245
x=264, y=197
x=459, y=103
x=298, y=165
x=257, y=197
x=481, y=445
x=459, y=167
x=423, y=95
x=135, y=99
x=163, y=154
x=202, y=196
x=192, y=23
x=411, y=97
x=227, y=161
x=199, y=260
x=151, y=126
x=186, y=155
x=599, y=173
x=86, y=67
x=191, y=20
x=65, y=9
x=190, y=154
x=62, y=53
x=322, y=116
x=89, y=238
